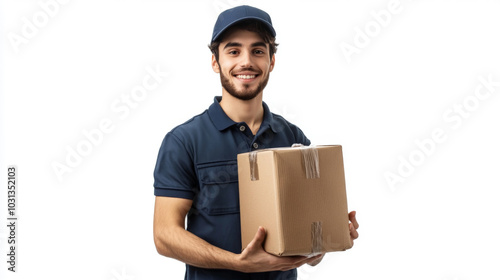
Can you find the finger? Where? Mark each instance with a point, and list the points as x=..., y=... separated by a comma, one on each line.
x=309, y=260
x=287, y=263
x=298, y=259
x=318, y=256
x=352, y=218
x=354, y=233
x=258, y=239
x=316, y=261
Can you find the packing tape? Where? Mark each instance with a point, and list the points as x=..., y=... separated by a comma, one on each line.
x=311, y=160
x=254, y=170
x=316, y=238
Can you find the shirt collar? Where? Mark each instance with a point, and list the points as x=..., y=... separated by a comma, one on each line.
x=222, y=121
x=269, y=119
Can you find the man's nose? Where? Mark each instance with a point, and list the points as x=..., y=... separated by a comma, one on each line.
x=246, y=60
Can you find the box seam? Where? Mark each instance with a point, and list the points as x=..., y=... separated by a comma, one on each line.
x=277, y=198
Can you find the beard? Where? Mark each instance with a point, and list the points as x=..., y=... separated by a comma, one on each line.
x=247, y=93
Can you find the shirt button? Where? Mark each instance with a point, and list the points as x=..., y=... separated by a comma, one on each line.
x=255, y=145
x=242, y=128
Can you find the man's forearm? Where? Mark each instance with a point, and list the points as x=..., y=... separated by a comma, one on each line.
x=186, y=247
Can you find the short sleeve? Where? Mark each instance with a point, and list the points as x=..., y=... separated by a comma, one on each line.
x=174, y=173
x=300, y=137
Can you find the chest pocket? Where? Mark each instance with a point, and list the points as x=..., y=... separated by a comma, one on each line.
x=219, y=193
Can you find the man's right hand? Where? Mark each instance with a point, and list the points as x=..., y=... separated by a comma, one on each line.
x=255, y=259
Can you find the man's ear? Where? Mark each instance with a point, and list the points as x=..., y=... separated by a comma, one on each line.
x=271, y=67
x=215, y=64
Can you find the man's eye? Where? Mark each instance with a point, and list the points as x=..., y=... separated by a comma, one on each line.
x=258, y=52
x=233, y=52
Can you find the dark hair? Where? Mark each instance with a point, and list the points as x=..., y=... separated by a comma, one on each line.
x=249, y=25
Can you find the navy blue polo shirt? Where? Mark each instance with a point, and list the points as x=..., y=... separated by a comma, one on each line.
x=197, y=161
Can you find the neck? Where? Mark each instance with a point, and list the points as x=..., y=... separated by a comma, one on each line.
x=249, y=111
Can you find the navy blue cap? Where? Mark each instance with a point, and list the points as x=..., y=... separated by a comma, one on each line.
x=236, y=14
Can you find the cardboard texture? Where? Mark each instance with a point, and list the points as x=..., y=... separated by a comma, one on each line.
x=302, y=216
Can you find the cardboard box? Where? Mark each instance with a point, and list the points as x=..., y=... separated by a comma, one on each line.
x=302, y=215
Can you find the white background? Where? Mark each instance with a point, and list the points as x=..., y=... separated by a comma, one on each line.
x=96, y=222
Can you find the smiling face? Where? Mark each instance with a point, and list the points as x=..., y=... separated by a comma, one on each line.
x=244, y=64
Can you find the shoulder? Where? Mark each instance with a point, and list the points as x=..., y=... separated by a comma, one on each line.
x=281, y=125
x=184, y=135
x=191, y=126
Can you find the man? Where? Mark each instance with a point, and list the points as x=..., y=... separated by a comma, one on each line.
x=196, y=171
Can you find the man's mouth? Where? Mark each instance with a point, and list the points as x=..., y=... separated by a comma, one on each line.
x=246, y=77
